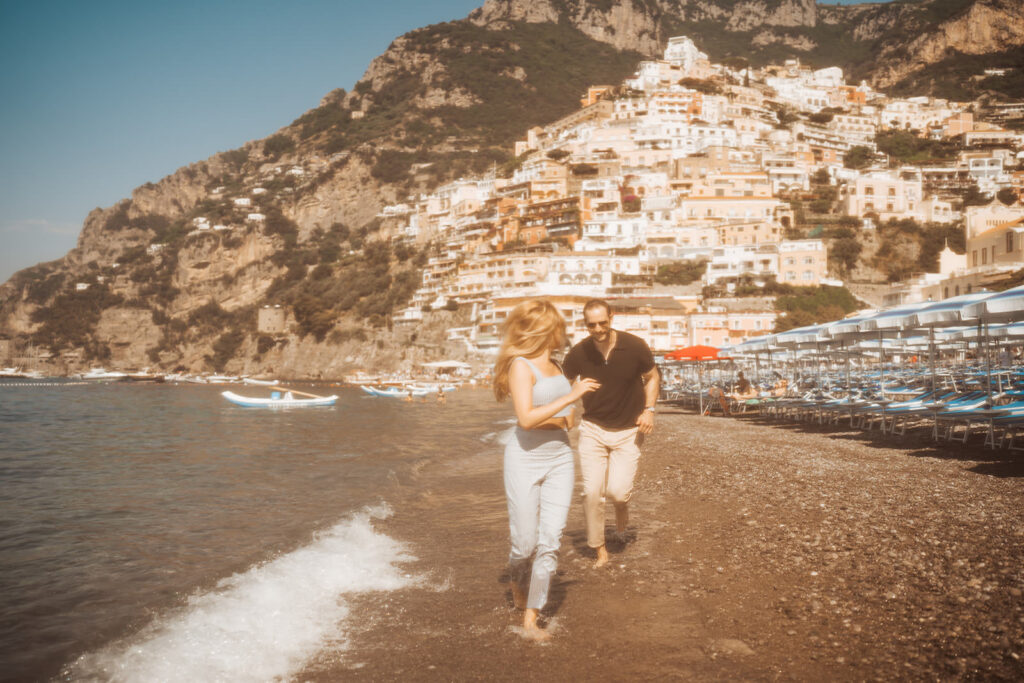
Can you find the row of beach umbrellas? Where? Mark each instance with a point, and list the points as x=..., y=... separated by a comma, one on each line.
x=978, y=317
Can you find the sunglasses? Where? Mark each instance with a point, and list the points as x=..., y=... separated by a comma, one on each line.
x=599, y=323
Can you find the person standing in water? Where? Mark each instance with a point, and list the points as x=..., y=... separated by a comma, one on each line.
x=538, y=464
x=616, y=417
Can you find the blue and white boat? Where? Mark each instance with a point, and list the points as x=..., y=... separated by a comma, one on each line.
x=278, y=400
x=395, y=392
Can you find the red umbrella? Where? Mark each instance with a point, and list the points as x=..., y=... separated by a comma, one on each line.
x=698, y=352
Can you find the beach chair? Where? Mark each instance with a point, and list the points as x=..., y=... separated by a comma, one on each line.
x=903, y=415
x=989, y=416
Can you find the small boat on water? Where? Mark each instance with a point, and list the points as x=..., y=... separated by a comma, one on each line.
x=279, y=400
x=103, y=374
x=145, y=376
x=260, y=382
x=431, y=388
x=222, y=379
x=18, y=373
x=361, y=378
x=394, y=392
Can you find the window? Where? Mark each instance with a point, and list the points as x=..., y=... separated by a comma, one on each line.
x=984, y=256
x=974, y=257
x=1009, y=241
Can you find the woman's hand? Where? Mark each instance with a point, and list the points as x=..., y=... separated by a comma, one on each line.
x=584, y=386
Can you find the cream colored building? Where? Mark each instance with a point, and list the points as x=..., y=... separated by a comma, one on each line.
x=498, y=271
x=979, y=219
x=803, y=262
x=882, y=193
x=581, y=272
x=739, y=208
x=1003, y=244
x=749, y=232
x=719, y=327
x=684, y=240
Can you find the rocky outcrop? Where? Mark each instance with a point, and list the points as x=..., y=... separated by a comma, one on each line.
x=747, y=16
x=802, y=43
x=984, y=27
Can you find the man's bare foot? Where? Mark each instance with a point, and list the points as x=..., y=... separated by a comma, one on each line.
x=518, y=596
x=602, y=557
x=531, y=631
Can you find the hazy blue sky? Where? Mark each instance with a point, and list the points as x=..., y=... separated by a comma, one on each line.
x=98, y=97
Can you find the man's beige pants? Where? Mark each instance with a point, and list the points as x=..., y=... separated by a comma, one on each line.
x=608, y=462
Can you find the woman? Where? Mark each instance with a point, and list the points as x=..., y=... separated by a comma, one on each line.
x=538, y=459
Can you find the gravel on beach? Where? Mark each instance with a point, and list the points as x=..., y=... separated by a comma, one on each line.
x=756, y=551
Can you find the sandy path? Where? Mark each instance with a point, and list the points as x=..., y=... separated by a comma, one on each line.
x=757, y=552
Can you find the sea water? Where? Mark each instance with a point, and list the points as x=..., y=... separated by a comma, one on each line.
x=157, y=532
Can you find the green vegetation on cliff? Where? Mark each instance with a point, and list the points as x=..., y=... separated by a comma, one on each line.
x=800, y=306
x=70, y=319
x=907, y=247
x=498, y=84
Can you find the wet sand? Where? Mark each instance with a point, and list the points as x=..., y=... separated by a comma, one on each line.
x=756, y=551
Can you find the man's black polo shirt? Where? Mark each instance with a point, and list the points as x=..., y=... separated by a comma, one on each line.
x=620, y=400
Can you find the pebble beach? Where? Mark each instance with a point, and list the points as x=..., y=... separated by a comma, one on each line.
x=756, y=551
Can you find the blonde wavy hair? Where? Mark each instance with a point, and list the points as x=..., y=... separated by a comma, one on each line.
x=531, y=327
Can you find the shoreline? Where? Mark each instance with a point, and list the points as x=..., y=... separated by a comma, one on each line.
x=755, y=551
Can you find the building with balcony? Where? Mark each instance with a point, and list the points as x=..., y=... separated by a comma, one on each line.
x=803, y=262
x=889, y=195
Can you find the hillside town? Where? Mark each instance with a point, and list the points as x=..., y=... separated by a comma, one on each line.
x=699, y=163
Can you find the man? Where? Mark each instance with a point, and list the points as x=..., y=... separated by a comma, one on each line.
x=615, y=417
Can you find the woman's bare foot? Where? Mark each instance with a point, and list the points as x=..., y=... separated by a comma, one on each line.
x=518, y=596
x=531, y=631
x=602, y=557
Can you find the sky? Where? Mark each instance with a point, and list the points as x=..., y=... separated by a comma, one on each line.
x=98, y=97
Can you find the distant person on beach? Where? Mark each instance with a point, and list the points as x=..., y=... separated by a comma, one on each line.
x=538, y=468
x=440, y=395
x=743, y=389
x=616, y=417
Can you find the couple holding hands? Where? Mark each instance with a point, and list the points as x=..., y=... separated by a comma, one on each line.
x=615, y=375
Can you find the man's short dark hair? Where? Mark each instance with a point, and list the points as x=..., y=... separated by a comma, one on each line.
x=597, y=303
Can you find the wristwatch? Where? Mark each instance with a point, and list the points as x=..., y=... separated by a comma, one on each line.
x=650, y=408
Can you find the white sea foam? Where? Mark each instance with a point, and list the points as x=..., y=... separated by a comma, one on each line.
x=262, y=624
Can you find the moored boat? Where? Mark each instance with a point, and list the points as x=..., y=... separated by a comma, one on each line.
x=278, y=400
x=260, y=382
x=395, y=392
x=145, y=376
x=103, y=374
x=222, y=379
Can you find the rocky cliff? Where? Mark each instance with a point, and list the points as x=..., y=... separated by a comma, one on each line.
x=173, y=276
